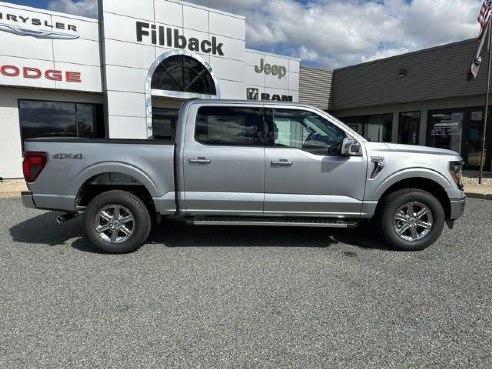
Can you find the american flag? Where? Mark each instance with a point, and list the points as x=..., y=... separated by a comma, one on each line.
x=483, y=19
x=484, y=15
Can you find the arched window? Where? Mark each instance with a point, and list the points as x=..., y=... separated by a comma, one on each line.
x=182, y=73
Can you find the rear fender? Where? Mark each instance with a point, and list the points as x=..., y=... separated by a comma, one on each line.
x=116, y=167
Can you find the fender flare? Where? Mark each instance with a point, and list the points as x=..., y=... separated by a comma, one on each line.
x=115, y=167
x=410, y=173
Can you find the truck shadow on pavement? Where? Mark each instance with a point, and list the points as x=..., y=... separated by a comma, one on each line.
x=173, y=233
x=44, y=230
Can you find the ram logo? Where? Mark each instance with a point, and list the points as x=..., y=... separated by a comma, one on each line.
x=252, y=93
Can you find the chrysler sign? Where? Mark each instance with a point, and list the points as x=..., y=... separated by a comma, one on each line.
x=36, y=33
x=17, y=25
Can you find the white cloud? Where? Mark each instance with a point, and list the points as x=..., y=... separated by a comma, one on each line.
x=384, y=53
x=85, y=8
x=335, y=33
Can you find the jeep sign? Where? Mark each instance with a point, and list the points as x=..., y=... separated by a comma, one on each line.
x=274, y=70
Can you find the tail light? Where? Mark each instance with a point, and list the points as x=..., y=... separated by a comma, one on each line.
x=33, y=164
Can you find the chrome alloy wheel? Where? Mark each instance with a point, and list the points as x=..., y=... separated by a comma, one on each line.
x=115, y=223
x=413, y=221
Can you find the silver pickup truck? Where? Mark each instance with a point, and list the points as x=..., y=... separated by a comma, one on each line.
x=244, y=163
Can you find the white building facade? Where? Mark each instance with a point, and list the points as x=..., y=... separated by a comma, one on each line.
x=125, y=74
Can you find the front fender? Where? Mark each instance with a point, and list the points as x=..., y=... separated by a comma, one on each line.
x=377, y=187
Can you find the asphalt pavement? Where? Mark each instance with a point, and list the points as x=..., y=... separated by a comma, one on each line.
x=218, y=297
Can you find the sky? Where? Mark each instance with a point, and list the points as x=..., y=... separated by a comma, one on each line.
x=333, y=33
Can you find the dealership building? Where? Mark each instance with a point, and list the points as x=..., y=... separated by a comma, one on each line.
x=420, y=98
x=125, y=75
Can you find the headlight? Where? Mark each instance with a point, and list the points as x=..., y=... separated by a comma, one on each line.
x=456, y=170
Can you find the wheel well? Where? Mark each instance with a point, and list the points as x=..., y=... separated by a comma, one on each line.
x=425, y=184
x=115, y=181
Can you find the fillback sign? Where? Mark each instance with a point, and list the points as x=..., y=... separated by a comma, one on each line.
x=171, y=37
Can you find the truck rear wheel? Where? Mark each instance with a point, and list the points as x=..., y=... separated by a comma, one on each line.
x=117, y=222
x=411, y=219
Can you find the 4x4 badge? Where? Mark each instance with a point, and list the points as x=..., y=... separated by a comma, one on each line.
x=68, y=156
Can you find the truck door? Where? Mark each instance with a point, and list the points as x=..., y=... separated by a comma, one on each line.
x=224, y=161
x=305, y=173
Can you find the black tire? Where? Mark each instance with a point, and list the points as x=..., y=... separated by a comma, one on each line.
x=127, y=207
x=428, y=227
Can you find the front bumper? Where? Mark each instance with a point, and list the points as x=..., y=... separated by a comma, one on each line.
x=27, y=200
x=457, y=208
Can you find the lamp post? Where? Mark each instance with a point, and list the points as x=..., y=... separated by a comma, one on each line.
x=486, y=115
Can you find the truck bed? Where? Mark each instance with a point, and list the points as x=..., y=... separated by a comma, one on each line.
x=74, y=162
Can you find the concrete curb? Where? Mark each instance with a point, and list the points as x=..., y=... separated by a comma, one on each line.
x=482, y=196
x=9, y=195
x=9, y=190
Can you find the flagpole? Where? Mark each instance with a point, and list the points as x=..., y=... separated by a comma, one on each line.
x=486, y=116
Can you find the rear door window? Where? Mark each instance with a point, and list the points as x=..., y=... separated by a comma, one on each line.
x=230, y=126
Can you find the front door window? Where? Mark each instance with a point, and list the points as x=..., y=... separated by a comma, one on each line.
x=303, y=130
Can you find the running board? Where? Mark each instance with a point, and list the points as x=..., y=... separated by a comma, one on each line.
x=318, y=223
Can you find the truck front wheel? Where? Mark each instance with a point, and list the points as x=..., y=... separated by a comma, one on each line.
x=117, y=222
x=411, y=219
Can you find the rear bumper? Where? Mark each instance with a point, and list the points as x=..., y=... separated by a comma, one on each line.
x=27, y=200
x=457, y=208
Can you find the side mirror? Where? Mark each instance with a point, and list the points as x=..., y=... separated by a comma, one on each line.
x=351, y=147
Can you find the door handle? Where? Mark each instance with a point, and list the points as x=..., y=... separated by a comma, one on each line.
x=281, y=163
x=200, y=160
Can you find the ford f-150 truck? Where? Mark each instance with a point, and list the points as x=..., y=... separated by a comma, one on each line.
x=246, y=163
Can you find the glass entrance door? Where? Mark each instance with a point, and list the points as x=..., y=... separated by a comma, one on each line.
x=460, y=130
x=472, y=140
x=445, y=129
